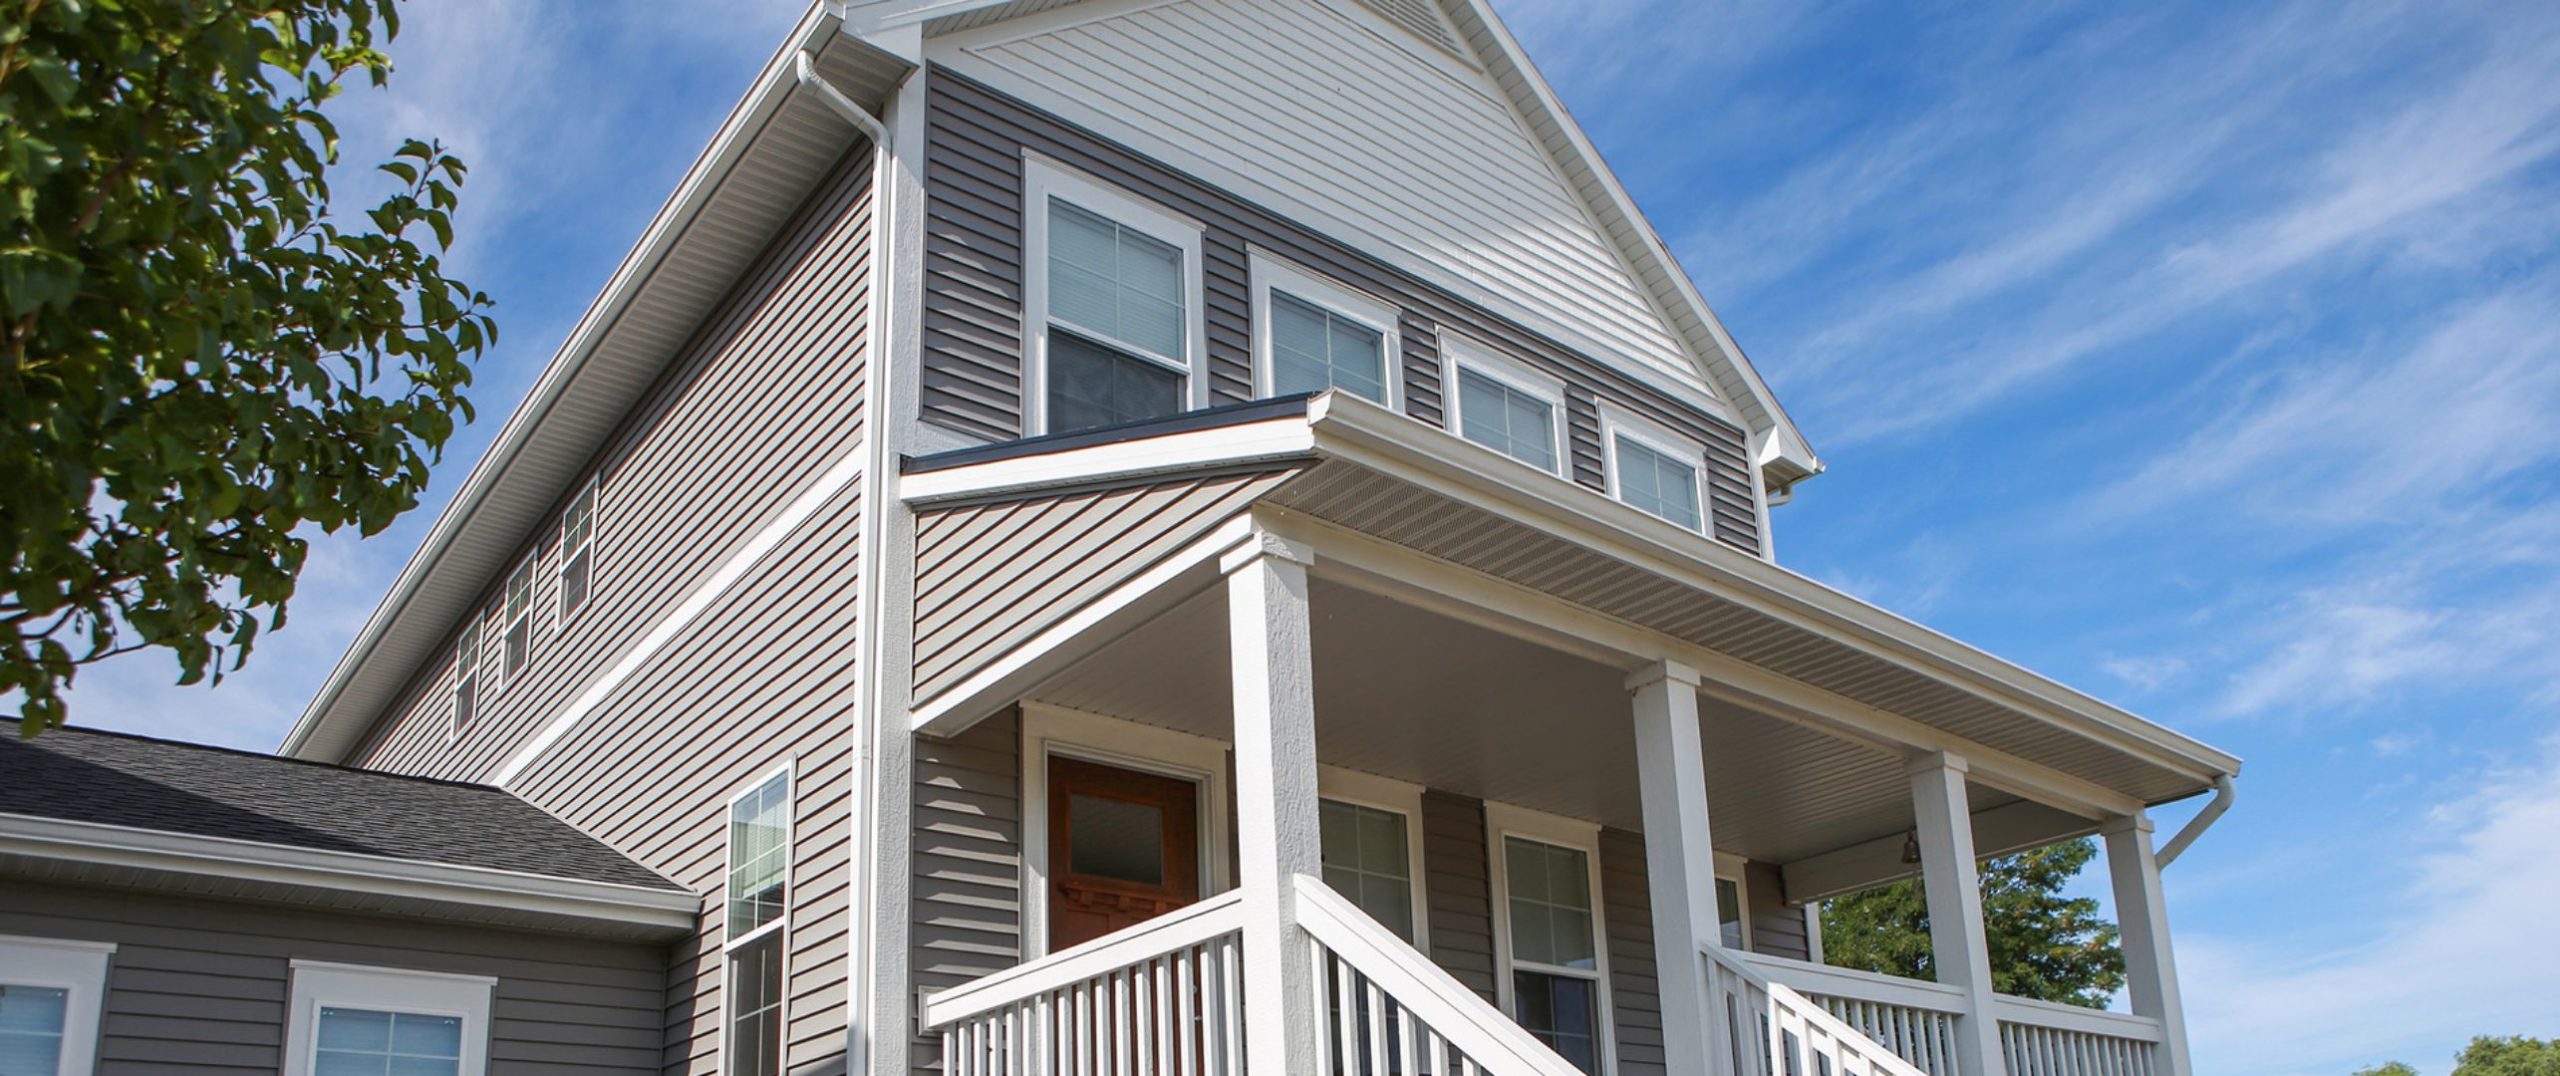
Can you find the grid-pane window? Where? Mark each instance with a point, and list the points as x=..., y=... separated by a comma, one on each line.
x=577, y=556
x=32, y=1019
x=519, y=611
x=755, y=1007
x=366, y=1042
x=1507, y=419
x=1657, y=482
x=1554, y=947
x=1118, y=328
x=759, y=853
x=1314, y=349
x=466, y=676
x=1367, y=860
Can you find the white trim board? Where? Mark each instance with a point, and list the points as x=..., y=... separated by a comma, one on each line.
x=251, y=861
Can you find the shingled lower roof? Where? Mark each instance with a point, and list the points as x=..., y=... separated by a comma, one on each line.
x=104, y=778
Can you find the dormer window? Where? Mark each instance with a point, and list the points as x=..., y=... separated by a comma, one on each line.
x=1311, y=334
x=1507, y=407
x=1116, y=285
x=1655, y=471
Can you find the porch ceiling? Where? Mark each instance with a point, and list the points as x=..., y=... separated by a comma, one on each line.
x=1408, y=693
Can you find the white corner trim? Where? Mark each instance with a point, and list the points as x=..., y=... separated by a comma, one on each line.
x=1265, y=271
x=79, y=970
x=349, y=872
x=1271, y=440
x=643, y=651
x=954, y=707
x=398, y=990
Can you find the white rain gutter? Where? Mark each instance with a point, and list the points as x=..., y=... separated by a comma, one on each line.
x=2224, y=791
x=807, y=68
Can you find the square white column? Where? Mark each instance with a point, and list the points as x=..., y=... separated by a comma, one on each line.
x=2142, y=918
x=1680, y=866
x=1958, y=947
x=1278, y=833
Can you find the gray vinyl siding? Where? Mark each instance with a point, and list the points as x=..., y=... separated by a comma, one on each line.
x=1777, y=927
x=1635, y=991
x=990, y=576
x=764, y=399
x=199, y=986
x=967, y=902
x=974, y=323
x=1457, y=886
x=767, y=678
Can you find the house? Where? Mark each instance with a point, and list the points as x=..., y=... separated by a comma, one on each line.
x=1206, y=536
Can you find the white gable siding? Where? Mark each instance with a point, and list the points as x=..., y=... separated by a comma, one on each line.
x=1341, y=119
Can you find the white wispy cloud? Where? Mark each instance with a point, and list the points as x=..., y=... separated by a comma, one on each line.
x=2458, y=952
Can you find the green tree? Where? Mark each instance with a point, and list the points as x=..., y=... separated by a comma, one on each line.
x=2043, y=944
x=2514, y=1055
x=2394, y=1068
x=200, y=356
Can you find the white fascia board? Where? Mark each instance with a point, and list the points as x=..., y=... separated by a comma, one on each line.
x=691, y=196
x=348, y=872
x=1360, y=432
x=1267, y=441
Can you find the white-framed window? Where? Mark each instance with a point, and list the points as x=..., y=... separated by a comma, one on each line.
x=1311, y=334
x=518, y=609
x=1112, y=294
x=493, y=664
x=1655, y=471
x=757, y=902
x=1505, y=406
x=1550, y=944
x=1371, y=836
x=577, y=553
x=51, y=993
x=466, y=677
x=1733, y=902
x=347, y=1018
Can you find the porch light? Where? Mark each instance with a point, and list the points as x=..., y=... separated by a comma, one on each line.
x=1911, y=846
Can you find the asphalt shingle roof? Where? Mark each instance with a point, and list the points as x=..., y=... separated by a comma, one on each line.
x=83, y=775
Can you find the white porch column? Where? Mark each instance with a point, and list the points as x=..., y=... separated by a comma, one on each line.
x=1277, y=831
x=1680, y=865
x=1957, y=946
x=2142, y=917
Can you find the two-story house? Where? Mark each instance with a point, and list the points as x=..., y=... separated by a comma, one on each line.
x=1201, y=536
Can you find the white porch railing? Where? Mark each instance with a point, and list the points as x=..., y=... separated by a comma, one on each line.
x=1917, y=1021
x=1392, y=1011
x=1165, y=996
x=1773, y=1030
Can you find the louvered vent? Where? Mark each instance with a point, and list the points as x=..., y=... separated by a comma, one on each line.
x=1421, y=18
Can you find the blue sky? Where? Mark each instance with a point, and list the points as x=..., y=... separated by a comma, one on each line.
x=2206, y=356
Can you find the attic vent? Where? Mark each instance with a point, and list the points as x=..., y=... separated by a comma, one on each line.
x=1419, y=17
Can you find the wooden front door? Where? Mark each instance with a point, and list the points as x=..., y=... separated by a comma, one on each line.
x=1124, y=847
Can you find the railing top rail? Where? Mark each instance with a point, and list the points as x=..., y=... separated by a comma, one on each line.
x=1855, y=985
x=1221, y=914
x=2031, y=1011
x=1478, y=1030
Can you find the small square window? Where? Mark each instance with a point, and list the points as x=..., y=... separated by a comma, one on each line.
x=1657, y=482
x=1508, y=417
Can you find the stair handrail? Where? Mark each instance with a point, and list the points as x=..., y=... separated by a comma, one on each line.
x=1477, y=1029
x=1786, y=1006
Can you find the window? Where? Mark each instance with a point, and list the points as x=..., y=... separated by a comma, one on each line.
x=1655, y=472
x=50, y=995
x=1729, y=914
x=758, y=907
x=519, y=613
x=1368, y=859
x=1555, y=971
x=493, y=668
x=1311, y=335
x=577, y=552
x=1507, y=408
x=347, y=1019
x=466, y=676
x=1117, y=286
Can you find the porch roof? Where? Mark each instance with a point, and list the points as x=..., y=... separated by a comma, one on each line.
x=1388, y=497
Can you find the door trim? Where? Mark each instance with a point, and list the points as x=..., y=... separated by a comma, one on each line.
x=1056, y=731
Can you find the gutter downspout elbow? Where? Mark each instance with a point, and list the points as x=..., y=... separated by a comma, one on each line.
x=2224, y=791
x=807, y=68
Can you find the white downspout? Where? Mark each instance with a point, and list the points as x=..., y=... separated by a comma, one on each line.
x=2224, y=791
